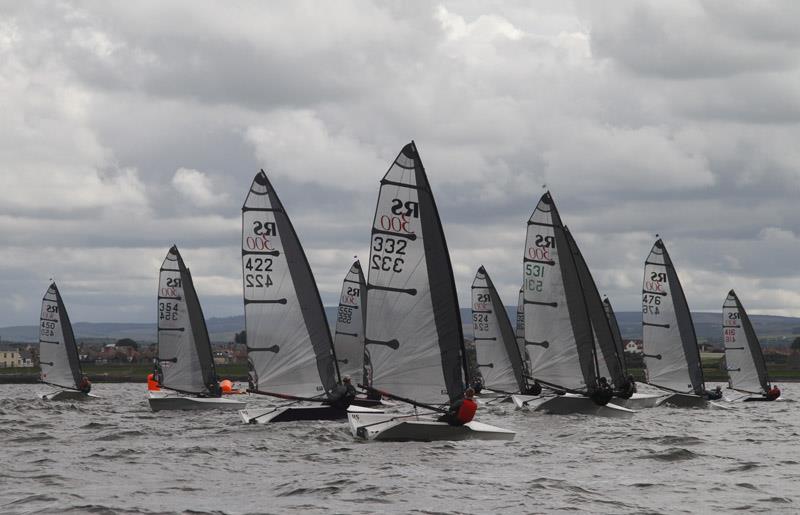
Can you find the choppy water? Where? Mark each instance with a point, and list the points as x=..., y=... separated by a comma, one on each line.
x=114, y=455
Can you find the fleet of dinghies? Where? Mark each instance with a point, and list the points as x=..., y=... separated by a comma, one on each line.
x=398, y=331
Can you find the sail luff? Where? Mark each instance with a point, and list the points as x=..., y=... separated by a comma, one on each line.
x=496, y=347
x=616, y=333
x=413, y=326
x=666, y=320
x=201, y=340
x=558, y=332
x=349, y=336
x=289, y=345
x=600, y=325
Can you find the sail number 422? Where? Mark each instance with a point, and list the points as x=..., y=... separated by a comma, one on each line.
x=258, y=276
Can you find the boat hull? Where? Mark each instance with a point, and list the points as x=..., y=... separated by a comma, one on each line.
x=570, y=404
x=67, y=395
x=684, y=400
x=167, y=402
x=404, y=428
x=638, y=401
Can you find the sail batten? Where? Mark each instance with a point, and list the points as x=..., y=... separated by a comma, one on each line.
x=414, y=338
x=670, y=346
x=185, y=359
x=744, y=358
x=58, y=352
x=289, y=344
x=558, y=332
x=499, y=359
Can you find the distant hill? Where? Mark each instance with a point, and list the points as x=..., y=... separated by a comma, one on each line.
x=708, y=326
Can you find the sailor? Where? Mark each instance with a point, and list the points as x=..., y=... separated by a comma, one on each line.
x=85, y=385
x=628, y=388
x=533, y=389
x=214, y=389
x=343, y=395
x=714, y=394
x=461, y=411
x=477, y=385
x=603, y=393
x=773, y=393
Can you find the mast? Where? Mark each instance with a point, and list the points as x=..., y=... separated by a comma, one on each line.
x=670, y=346
x=743, y=356
x=349, y=336
x=289, y=345
x=498, y=355
x=615, y=332
x=58, y=353
x=558, y=333
x=414, y=335
x=609, y=361
x=520, y=332
x=184, y=349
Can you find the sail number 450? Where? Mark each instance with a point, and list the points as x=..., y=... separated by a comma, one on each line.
x=258, y=278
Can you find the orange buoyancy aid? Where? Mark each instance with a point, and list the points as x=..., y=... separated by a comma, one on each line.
x=467, y=411
x=152, y=384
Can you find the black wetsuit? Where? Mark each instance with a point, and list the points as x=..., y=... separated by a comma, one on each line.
x=342, y=396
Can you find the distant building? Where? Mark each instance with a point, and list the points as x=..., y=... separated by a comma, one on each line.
x=634, y=347
x=10, y=358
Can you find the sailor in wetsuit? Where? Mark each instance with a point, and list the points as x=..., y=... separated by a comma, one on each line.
x=773, y=393
x=603, y=393
x=714, y=394
x=343, y=395
x=461, y=411
x=85, y=385
x=627, y=390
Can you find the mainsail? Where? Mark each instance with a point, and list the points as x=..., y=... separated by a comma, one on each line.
x=58, y=354
x=349, y=338
x=520, y=332
x=289, y=344
x=184, y=349
x=615, y=332
x=669, y=340
x=609, y=361
x=414, y=334
x=743, y=356
x=499, y=359
x=558, y=333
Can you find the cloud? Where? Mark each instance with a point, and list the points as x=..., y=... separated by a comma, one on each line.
x=196, y=186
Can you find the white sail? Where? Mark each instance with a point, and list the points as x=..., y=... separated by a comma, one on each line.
x=58, y=354
x=414, y=335
x=743, y=356
x=499, y=360
x=289, y=345
x=184, y=350
x=669, y=341
x=558, y=333
x=349, y=337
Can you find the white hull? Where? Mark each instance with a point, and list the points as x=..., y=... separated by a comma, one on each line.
x=639, y=401
x=161, y=401
x=67, y=395
x=684, y=400
x=368, y=426
x=570, y=404
x=296, y=413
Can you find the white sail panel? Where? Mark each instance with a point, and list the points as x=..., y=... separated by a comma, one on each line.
x=558, y=335
x=742, y=353
x=289, y=346
x=669, y=342
x=58, y=354
x=494, y=359
x=178, y=358
x=415, y=343
x=349, y=338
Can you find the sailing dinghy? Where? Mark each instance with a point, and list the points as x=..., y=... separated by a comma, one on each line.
x=289, y=346
x=413, y=326
x=499, y=359
x=185, y=363
x=639, y=400
x=671, y=354
x=58, y=354
x=558, y=329
x=744, y=360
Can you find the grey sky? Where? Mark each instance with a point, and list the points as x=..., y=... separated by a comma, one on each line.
x=131, y=126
